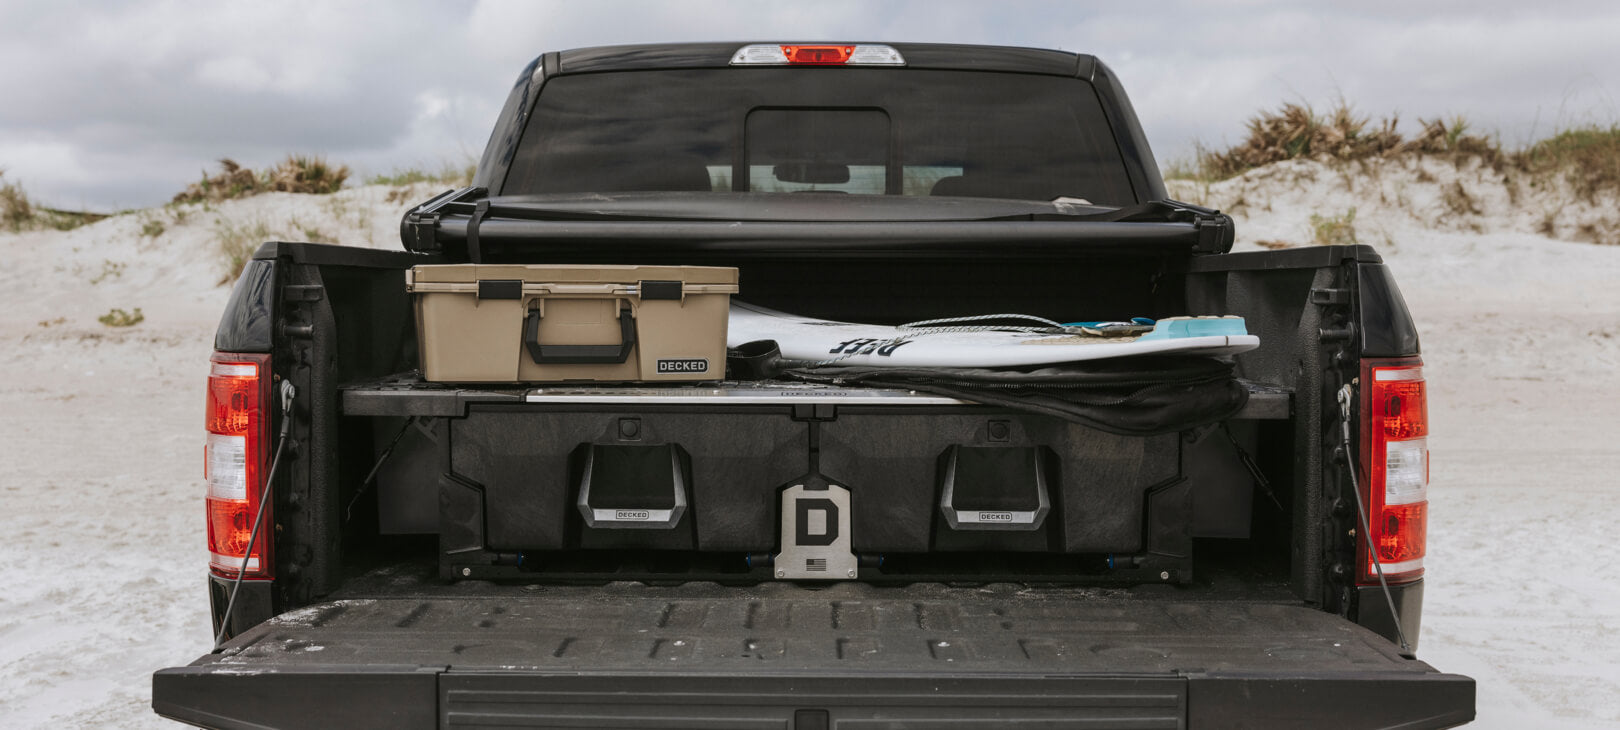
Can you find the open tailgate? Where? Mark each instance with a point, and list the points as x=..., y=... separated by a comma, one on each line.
x=781, y=656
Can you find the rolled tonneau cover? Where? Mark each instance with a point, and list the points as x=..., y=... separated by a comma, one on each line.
x=781, y=656
x=469, y=225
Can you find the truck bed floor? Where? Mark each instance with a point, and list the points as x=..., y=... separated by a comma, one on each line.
x=783, y=627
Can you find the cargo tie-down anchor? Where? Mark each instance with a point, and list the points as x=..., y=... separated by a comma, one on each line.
x=815, y=533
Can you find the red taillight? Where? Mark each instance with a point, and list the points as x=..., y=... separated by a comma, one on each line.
x=777, y=54
x=234, y=461
x=1395, y=460
x=1401, y=534
x=818, y=55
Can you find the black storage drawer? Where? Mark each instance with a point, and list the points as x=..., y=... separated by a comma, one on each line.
x=528, y=464
x=1096, y=481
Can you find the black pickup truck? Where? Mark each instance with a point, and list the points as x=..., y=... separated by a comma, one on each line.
x=390, y=552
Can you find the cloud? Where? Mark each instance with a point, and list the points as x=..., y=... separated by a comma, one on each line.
x=121, y=105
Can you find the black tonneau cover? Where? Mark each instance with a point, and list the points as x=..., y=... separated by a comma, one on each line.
x=782, y=656
x=468, y=225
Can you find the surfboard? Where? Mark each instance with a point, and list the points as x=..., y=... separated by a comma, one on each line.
x=847, y=343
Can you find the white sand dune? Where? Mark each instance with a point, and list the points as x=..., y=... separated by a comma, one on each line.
x=101, y=515
x=102, y=565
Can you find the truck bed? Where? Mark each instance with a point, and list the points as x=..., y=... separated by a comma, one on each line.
x=846, y=655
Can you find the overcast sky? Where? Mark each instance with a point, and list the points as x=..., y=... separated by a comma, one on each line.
x=120, y=105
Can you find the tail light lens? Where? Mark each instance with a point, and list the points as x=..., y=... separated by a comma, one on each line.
x=235, y=462
x=1395, y=460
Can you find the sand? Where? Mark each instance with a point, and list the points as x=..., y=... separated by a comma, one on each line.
x=102, y=564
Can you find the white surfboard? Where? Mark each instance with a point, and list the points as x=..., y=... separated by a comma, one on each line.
x=820, y=340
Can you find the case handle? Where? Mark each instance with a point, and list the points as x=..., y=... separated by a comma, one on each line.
x=580, y=354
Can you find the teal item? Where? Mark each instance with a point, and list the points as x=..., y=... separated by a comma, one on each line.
x=1177, y=328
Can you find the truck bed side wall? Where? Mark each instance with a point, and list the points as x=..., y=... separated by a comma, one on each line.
x=1317, y=310
x=327, y=315
x=1275, y=305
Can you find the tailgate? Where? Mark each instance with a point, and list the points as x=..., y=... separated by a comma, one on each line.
x=782, y=656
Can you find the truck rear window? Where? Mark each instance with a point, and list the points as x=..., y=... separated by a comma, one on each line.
x=821, y=130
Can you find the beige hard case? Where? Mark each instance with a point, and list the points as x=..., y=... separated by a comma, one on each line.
x=484, y=323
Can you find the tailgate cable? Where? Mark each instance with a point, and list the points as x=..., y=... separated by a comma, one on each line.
x=265, y=497
x=1361, y=511
x=348, y=512
x=1249, y=463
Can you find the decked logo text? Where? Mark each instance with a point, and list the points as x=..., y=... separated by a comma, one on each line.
x=689, y=365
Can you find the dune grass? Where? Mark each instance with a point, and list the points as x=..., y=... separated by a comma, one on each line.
x=1295, y=131
x=448, y=174
x=236, y=242
x=1587, y=158
x=20, y=213
x=1334, y=230
x=16, y=210
x=1298, y=131
x=117, y=317
x=295, y=174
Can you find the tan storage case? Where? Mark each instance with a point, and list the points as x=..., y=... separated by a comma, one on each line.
x=483, y=323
